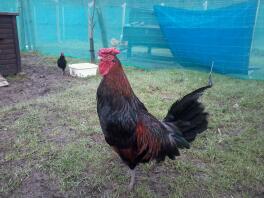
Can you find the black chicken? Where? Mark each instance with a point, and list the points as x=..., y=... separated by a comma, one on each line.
x=62, y=63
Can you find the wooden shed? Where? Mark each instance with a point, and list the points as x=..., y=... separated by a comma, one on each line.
x=10, y=61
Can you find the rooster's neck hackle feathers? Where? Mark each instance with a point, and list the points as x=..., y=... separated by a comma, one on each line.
x=117, y=81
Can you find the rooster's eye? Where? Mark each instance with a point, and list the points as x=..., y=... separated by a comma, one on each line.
x=113, y=61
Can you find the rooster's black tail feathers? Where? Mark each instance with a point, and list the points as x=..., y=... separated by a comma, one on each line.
x=188, y=115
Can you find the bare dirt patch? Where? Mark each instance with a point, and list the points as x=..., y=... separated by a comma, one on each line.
x=39, y=77
x=38, y=184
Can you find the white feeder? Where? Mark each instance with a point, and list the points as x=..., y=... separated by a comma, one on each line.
x=83, y=69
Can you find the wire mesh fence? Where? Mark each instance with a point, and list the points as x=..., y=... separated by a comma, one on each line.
x=150, y=33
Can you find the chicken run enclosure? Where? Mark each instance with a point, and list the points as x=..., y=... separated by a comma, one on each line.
x=150, y=34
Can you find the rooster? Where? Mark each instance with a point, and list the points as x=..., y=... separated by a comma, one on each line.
x=62, y=63
x=135, y=134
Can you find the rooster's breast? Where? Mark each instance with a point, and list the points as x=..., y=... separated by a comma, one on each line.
x=117, y=118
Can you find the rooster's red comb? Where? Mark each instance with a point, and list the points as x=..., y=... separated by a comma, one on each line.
x=106, y=51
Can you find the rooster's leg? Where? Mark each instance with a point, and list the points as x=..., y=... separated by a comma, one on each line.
x=132, y=179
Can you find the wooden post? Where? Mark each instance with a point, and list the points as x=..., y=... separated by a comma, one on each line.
x=102, y=25
x=91, y=25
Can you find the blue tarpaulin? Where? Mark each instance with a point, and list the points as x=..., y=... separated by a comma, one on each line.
x=200, y=37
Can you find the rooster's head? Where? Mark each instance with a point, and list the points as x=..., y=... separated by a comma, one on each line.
x=108, y=60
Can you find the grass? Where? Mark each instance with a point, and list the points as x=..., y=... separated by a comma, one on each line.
x=59, y=135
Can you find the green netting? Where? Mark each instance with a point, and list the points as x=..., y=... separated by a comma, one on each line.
x=53, y=26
